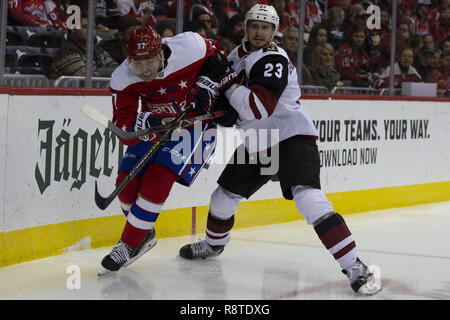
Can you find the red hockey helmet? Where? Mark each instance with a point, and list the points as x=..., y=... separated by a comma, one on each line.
x=144, y=43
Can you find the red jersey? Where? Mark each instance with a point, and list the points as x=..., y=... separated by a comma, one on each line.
x=28, y=12
x=166, y=95
x=352, y=65
x=442, y=78
x=58, y=21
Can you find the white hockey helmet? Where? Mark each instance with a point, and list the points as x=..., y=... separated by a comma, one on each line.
x=262, y=12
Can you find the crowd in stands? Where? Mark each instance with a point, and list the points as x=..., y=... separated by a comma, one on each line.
x=339, y=47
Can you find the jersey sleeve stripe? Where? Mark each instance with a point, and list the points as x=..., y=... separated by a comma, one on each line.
x=267, y=98
x=253, y=106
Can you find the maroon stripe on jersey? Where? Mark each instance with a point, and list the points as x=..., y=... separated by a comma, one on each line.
x=215, y=237
x=335, y=235
x=267, y=98
x=253, y=106
x=344, y=250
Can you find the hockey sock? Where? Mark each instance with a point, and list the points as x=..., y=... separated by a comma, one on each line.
x=129, y=194
x=337, y=238
x=155, y=186
x=125, y=208
x=218, y=230
x=140, y=220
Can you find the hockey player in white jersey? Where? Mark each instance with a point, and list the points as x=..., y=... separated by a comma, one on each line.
x=267, y=98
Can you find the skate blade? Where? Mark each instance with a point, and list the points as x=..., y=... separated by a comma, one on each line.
x=373, y=285
x=150, y=245
x=104, y=271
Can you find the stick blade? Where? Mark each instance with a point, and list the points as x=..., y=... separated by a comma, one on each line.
x=95, y=115
x=101, y=202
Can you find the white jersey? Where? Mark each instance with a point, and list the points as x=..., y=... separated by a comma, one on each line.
x=270, y=97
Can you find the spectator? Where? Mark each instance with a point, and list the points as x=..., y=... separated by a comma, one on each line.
x=323, y=71
x=245, y=5
x=416, y=44
x=403, y=37
x=235, y=33
x=422, y=24
x=201, y=6
x=436, y=62
x=165, y=28
x=374, y=50
x=435, y=12
x=202, y=16
x=289, y=42
x=222, y=12
x=317, y=36
x=446, y=46
x=403, y=71
x=29, y=13
x=195, y=26
x=357, y=19
x=283, y=15
x=428, y=41
x=139, y=9
x=107, y=15
x=313, y=14
x=423, y=63
x=71, y=58
x=333, y=24
x=56, y=12
x=440, y=29
x=117, y=47
x=353, y=62
x=292, y=8
x=441, y=76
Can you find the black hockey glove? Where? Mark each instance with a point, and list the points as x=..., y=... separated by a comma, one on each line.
x=230, y=114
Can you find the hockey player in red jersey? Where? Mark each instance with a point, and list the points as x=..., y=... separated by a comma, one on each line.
x=268, y=99
x=165, y=76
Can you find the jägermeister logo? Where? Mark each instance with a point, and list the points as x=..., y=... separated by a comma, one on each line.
x=71, y=156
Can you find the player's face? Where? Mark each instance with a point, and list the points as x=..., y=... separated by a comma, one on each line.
x=147, y=69
x=259, y=34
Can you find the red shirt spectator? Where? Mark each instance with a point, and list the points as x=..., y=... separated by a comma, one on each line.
x=422, y=22
x=57, y=16
x=441, y=76
x=29, y=13
x=313, y=14
x=352, y=61
x=283, y=14
x=440, y=29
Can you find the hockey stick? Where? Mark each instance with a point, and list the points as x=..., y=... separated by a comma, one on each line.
x=102, y=202
x=100, y=118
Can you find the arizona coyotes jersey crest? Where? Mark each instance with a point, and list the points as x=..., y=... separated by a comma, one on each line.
x=166, y=95
x=269, y=98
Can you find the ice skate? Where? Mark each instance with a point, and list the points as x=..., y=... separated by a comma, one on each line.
x=363, y=280
x=148, y=243
x=200, y=250
x=123, y=255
